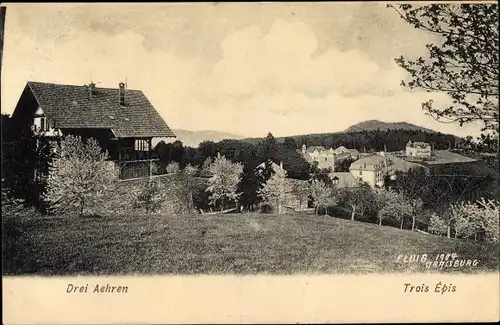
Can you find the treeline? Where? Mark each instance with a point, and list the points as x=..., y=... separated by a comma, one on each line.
x=369, y=141
x=249, y=155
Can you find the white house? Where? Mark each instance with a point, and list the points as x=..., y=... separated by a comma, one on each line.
x=419, y=150
x=372, y=169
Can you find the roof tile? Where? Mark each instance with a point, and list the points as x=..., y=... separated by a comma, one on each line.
x=69, y=106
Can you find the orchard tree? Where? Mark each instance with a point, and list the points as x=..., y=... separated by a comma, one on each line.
x=224, y=179
x=276, y=190
x=79, y=175
x=439, y=225
x=301, y=192
x=463, y=63
x=416, y=209
x=150, y=196
x=405, y=210
x=205, y=172
x=414, y=185
x=320, y=194
x=388, y=203
x=356, y=197
x=478, y=217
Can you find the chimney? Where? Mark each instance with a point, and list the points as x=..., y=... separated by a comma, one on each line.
x=281, y=164
x=121, y=93
x=91, y=89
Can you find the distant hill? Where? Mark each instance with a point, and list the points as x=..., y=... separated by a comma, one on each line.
x=391, y=136
x=193, y=138
x=373, y=125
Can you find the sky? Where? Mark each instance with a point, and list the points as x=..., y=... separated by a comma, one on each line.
x=243, y=68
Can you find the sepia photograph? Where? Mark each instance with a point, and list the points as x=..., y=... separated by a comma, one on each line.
x=249, y=139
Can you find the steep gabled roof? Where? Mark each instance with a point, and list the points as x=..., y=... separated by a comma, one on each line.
x=345, y=179
x=273, y=165
x=368, y=163
x=404, y=166
x=312, y=148
x=418, y=144
x=72, y=107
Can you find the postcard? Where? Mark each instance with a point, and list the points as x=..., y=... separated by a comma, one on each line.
x=238, y=163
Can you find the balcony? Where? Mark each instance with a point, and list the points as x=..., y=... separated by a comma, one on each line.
x=137, y=155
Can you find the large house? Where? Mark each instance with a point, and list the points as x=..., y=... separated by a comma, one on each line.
x=344, y=153
x=323, y=158
x=373, y=169
x=122, y=120
x=326, y=158
x=419, y=150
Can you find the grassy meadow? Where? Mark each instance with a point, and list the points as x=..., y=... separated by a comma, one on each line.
x=220, y=244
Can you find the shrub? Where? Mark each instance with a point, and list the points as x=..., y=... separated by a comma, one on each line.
x=173, y=168
x=151, y=196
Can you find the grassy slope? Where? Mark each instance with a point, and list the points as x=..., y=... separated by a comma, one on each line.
x=242, y=244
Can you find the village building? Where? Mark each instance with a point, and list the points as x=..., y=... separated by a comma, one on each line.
x=343, y=179
x=373, y=169
x=418, y=150
x=345, y=153
x=323, y=158
x=123, y=121
x=326, y=158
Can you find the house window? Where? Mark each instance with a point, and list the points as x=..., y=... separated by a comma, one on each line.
x=41, y=124
x=141, y=145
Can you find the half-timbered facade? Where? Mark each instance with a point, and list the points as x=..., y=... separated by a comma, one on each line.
x=122, y=120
